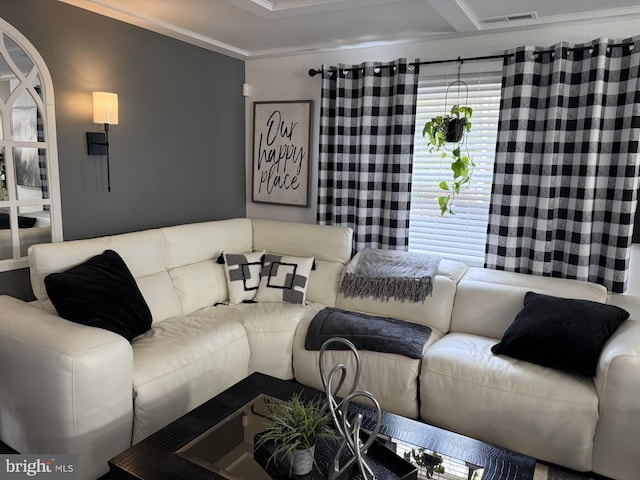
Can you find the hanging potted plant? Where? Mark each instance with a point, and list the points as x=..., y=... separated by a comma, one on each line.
x=445, y=134
x=429, y=464
x=4, y=194
x=293, y=428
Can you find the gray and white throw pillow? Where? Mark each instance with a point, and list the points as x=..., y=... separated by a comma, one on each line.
x=243, y=275
x=284, y=279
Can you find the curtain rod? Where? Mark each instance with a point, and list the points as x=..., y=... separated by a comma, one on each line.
x=313, y=72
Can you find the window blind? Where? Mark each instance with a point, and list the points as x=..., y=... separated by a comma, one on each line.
x=461, y=236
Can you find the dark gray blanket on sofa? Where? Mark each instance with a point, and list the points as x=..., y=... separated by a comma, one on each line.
x=366, y=332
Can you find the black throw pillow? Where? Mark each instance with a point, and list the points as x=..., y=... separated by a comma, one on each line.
x=101, y=293
x=23, y=222
x=561, y=333
x=26, y=222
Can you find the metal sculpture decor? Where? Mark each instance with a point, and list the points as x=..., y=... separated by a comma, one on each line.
x=352, y=441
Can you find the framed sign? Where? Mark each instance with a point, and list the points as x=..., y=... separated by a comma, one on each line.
x=281, y=144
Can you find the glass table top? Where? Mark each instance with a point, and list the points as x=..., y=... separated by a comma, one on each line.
x=228, y=450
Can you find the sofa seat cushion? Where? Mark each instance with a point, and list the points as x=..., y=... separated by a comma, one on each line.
x=270, y=329
x=182, y=362
x=391, y=378
x=535, y=410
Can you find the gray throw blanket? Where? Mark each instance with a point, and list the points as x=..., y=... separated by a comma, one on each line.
x=384, y=274
x=366, y=332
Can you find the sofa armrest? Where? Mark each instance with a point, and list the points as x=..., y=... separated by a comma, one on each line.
x=617, y=442
x=64, y=387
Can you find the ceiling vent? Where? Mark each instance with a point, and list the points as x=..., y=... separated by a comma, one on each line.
x=516, y=17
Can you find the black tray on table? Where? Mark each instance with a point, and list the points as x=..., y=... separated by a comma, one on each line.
x=385, y=464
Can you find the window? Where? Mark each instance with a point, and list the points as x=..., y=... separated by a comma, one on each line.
x=29, y=192
x=461, y=236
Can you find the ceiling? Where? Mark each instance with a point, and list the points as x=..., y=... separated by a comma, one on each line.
x=262, y=28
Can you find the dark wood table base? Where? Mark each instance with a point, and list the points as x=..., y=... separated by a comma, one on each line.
x=155, y=457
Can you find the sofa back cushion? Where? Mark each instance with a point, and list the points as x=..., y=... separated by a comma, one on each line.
x=176, y=267
x=434, y=312
x=330, y=246
x=143, y=252
x=199, y=285
x=192, y=252
x=198, y=242
x=487, y=301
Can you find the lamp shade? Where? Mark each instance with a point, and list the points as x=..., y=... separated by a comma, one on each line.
x=105, y=108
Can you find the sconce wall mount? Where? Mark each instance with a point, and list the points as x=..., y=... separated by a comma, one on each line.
x=97, y=143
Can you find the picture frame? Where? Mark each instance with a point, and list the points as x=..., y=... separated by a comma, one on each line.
x=281, y=152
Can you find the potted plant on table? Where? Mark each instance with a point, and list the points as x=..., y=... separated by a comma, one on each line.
x=293, y=427
x=450, y=129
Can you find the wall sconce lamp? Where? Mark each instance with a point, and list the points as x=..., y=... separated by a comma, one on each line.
x=105, y=110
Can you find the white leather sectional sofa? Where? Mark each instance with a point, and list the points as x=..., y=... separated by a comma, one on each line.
x=71, y=388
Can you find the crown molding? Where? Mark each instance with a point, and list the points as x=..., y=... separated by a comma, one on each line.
x=126, y=15
x=459, y=15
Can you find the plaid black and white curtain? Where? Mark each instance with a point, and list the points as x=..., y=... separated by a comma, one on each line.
x=42, y=153
x=42, y=159
x=566, y=171
x=366, y=147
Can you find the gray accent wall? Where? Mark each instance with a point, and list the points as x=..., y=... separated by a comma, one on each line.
x=177, y=154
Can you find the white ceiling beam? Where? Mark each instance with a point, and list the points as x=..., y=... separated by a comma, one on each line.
x=458, y=14
x=290, y=8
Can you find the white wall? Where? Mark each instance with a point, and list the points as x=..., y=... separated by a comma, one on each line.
x=286, y=78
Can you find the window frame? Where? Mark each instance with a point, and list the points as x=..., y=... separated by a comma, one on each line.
x=47, y=107
x=456, y=237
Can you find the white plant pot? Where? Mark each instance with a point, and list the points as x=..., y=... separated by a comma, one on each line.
x=302, y=460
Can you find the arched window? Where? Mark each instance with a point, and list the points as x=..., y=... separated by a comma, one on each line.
x=29, y=185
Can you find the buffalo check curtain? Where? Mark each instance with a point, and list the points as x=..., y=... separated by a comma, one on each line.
x=367, y=123
x=42, y=159
x=566, y=172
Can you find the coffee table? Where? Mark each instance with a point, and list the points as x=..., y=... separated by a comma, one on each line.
x=181, y=450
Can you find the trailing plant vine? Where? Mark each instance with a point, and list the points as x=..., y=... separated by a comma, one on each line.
x=430, y=464
x=3, y=179
x=440, y=131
